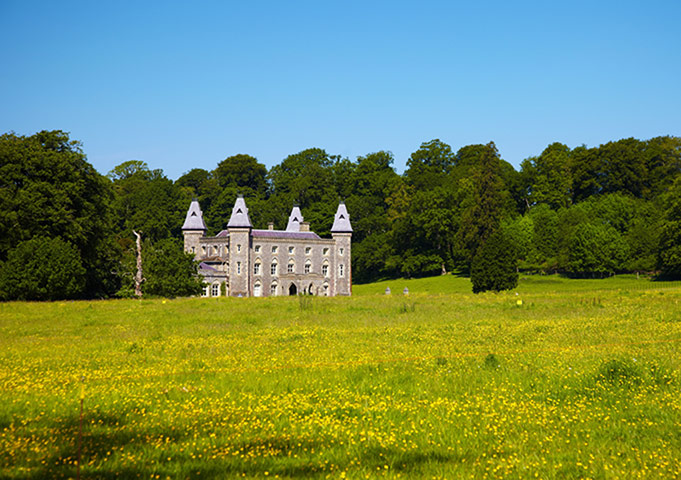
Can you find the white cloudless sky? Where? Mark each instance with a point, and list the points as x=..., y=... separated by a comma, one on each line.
x=183, y=85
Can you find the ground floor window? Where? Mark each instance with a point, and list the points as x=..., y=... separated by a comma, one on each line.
x=257, y=290
x=273, y=290
x=215, y=290
x=205, y=290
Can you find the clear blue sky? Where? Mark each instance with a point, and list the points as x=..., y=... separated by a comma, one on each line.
x=185, y=84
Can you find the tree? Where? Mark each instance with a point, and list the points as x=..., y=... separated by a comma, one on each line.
x=548, y=178
x=485, y=211
x=49, y=190
x=168, y=270
x=147, y=201
x=429, y=166
x=669, y=256
x=596, y=250
x=494, y=266
x=244, y=173
x=42, y=269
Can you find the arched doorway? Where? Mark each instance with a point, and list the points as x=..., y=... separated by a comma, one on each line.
x=293, y=290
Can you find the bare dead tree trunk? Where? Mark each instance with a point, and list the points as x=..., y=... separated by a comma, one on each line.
x=138, y=277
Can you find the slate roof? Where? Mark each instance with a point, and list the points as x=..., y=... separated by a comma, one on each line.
x=194, y=219
x=286, y=234
x=341, y=221
x=205, y=266
x=239, y=216
x=294, y=220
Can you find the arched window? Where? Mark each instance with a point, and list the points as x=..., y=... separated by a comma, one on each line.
x=215, y=290
x=273, y=268
x=205, y=290
x=256, y=267
x=273, y=290
x=257, y=289
x=325, y=269
x=308, y=266
x=291, y=266
x=325, y=290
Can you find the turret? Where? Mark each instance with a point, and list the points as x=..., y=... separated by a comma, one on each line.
x=239, y=227
x=193, y=228
x=341, y=231
x=294, y=220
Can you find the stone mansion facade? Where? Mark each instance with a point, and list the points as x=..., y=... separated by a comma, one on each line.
x=245, y=262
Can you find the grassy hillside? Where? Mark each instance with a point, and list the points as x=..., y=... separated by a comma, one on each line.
x=567, y=379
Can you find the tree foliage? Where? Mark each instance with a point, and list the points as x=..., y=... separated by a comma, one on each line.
x=494, y=265
x=42, y=268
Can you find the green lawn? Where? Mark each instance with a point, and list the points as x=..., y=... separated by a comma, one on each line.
x=566, y=379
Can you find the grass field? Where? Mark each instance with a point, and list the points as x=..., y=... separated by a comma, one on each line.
x=566, y=379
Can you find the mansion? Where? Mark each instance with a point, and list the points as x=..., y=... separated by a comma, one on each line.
x=241, y=261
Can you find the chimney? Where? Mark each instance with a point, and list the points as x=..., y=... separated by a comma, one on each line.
x=270, y=225
x=304, y=226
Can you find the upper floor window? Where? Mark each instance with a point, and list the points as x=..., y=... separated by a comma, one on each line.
x=308, y=250
x=308, y=266
x=274, y=249
x=291, y=250
x=238, y=268
x=340, y=250
x=273, y=268
x=341, y=271
x=256, y=268
x=325, y=270
x=257, y=249
x=238, y=249
x=325, y=251
x=290, y=268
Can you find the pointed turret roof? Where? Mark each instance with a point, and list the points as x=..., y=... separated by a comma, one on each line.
x=341, y=221
x=194, y=219
x=294, y=220
x=239, y=216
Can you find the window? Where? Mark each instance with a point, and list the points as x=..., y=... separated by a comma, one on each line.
x=274, y=249
x=291, y=250
x=203, y=249
x=257, y=249
x=308, y=266
x=290, y=268
x=238, y=268
x=256, y=268
x=308, y=250
x=325, y=270
x=341, y=251
x=325, y=251
x=273, y=268
x=215, y=290
x=273, y=289
x=193, y=249
x=326, y=290
x=257, y=290
x=205, y=290
x=238, y=249
x=340, y=270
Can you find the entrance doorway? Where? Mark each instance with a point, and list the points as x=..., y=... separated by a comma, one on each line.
x=293, y=290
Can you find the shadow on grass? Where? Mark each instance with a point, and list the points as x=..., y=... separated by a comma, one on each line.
x=288, y=456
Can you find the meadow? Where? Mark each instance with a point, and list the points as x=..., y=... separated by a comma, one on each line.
x=557, y=379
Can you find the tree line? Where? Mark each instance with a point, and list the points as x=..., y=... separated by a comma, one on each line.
x=66, y=229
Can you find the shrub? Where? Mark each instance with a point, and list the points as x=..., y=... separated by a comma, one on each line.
x=42, y=269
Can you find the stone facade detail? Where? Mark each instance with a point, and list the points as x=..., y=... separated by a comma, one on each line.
x=241, y=261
